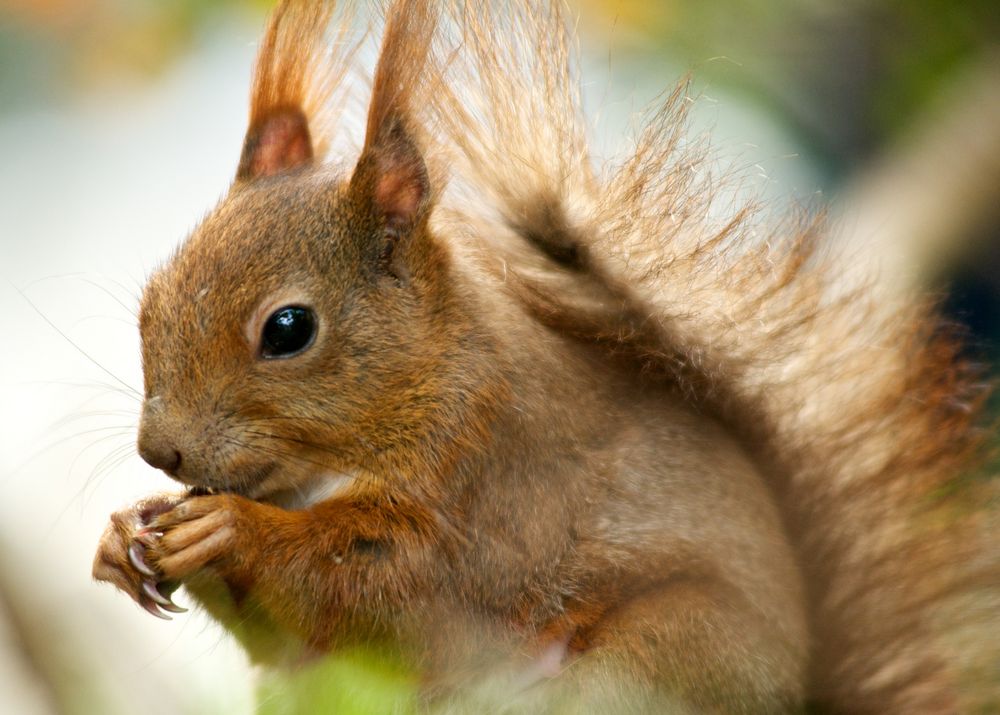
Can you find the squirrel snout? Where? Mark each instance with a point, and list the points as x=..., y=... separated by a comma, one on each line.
x=160, y=456
x=154, y=444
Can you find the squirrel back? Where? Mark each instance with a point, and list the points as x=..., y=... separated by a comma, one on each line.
x=860, y=404
x=469, y=365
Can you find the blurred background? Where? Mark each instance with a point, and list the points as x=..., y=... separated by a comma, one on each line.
x=120, y=126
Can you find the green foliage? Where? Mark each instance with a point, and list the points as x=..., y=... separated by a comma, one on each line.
x=359, y=682
x=925, y=43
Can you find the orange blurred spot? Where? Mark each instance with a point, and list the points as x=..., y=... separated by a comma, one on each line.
x=51, y=14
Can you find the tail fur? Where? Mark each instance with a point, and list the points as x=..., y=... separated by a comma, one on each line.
x=860, y=407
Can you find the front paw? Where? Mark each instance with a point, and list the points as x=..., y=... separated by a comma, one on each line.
x=197, y=533
x=121, y=556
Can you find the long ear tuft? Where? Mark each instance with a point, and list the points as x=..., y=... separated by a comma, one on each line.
x=391, y=171
x=295, y=78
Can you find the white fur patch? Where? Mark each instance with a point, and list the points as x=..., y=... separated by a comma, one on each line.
x=319, y=489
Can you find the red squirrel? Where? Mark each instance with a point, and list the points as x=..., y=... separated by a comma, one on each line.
x=486, y=402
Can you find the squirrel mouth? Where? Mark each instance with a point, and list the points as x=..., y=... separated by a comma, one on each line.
x=244, y=482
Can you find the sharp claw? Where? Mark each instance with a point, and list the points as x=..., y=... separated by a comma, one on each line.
x=148, y=539
x=153, y=592
x=149, y=588
x=135, y=555
x=173, y=607
x=153, y=609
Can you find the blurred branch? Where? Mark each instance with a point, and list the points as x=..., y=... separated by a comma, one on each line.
x=939, y=185
x=25, y=690
x=70, y=664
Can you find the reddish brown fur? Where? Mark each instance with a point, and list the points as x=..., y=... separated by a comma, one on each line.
x=580, y=416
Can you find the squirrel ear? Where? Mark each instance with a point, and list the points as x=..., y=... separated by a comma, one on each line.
x=278, y=142
x=391, y=175
x=294, y=77
x=392, y=178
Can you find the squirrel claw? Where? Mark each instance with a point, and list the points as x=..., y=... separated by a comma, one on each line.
x=173, y=607
x=153, y=608
x=147, y=535
x=136, y=556
x=152, y=591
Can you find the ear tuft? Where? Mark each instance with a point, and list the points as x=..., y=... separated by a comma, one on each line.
x=280, y=142
x=297, y=75
x=391, y=176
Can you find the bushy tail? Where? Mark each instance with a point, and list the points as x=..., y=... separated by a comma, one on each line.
x=858, y=405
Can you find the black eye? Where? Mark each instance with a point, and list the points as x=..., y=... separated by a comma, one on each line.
x=288, y=331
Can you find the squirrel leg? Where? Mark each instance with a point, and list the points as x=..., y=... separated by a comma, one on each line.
x=299, y=575
x=689, y=647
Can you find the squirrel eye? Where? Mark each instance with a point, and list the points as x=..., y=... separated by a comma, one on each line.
x=287, y=332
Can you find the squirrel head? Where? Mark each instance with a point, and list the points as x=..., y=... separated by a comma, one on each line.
x=299, y=329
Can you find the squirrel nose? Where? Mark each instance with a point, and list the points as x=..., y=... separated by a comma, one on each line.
x=155, y=444
x=162, y=457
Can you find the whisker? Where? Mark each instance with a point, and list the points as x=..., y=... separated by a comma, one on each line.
x=295, y=440
x=93, y=444
x=295, y=418
x=284, y=454
x=71, y=342
x=111, y=461
x=275, y=452
x=88, y=318
x=41, y=451
x=310, y=445
x=108, y=463
x=94, y=385
x=318, y=447
x=131, y=310
x=85, y=278
x=77, y=416
x=357, y=438
x=68, y=420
